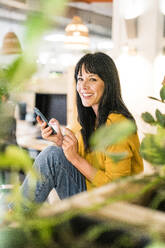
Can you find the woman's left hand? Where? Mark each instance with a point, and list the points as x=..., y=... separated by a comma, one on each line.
x=70, y=145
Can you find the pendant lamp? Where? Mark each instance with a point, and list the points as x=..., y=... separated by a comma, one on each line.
x=11, y=44
x=77, y=34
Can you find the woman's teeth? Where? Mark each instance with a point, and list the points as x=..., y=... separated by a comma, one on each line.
x=87, y=95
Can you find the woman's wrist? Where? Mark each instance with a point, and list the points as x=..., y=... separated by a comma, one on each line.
x=77, y=159
x=84, y=167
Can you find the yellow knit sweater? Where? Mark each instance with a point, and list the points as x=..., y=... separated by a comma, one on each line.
x=107, y=170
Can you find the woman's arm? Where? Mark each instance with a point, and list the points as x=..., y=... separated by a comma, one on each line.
x=85, y=168
x=70, y=148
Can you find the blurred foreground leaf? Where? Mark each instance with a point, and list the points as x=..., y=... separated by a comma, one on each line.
x=153, y=147
x=116, y=157
x=37, y=23
x=12, y=237
x=4, y=84
x=113, y=134
x=53, y=7
x=156, y=245
x=20, y=71
x=15, y=158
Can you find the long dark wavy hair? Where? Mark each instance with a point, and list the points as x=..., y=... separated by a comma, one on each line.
x=111, y=101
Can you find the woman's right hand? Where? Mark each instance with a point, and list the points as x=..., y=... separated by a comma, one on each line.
x=46, y=132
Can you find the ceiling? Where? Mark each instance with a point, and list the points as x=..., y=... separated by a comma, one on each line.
x=98, y=17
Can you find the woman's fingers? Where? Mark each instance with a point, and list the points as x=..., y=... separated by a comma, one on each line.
x=67, y=142
x=41, y=123
x=56, y=125
x=46, y=134
x=39, y=120
x=44, y=128
x=53, y=122
x=47, y=131
x=70, y=134
x=67, y=139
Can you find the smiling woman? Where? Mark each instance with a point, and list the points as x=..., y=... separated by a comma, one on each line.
x=71, y=166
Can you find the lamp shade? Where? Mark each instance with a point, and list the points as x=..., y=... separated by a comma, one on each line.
x=77, y=33
x=11, y=44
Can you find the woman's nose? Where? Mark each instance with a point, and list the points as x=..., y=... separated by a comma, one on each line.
x=85, y=84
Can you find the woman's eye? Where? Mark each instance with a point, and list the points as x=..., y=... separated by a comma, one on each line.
x=93, y=79
x=79, y=79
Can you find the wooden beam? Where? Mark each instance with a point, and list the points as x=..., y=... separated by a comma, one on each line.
x=122, y=212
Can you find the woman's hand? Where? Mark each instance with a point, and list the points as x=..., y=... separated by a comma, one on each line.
x=46, y=132
x=70, y=145
x=70, y=148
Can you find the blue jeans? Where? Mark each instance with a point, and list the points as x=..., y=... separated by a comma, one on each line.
x=55, y=171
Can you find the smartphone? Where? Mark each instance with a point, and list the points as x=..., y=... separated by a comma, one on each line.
x=43, y=118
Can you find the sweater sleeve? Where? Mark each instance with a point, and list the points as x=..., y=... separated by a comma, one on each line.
x=112, y=170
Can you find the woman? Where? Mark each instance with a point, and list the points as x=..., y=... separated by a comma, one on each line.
x=71, y=167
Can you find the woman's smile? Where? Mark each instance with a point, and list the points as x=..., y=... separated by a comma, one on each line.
x=86, y=95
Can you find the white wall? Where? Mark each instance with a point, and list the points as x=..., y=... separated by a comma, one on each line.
x=141, y=74
x=138, y=75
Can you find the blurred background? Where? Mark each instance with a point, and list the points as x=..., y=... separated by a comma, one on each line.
x=132, y=32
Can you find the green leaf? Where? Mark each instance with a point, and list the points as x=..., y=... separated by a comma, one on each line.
x=162, y=93
x=38, y=22
x=154, y=98
x=160, y=118
x=20, y=71
x=12, y=237
x=116, y=157
x=156, y=244
x=16, y=158
x=4, y=83
x=53, y=7
x=113, y=134
x=153, y=146
x=36, y=26
x=147, y=117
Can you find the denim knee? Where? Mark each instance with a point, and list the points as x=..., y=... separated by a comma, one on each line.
x=50, y=151
x=54, y=171
x=47, y=159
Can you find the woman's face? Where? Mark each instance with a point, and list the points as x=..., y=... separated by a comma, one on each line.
x=90, y=88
